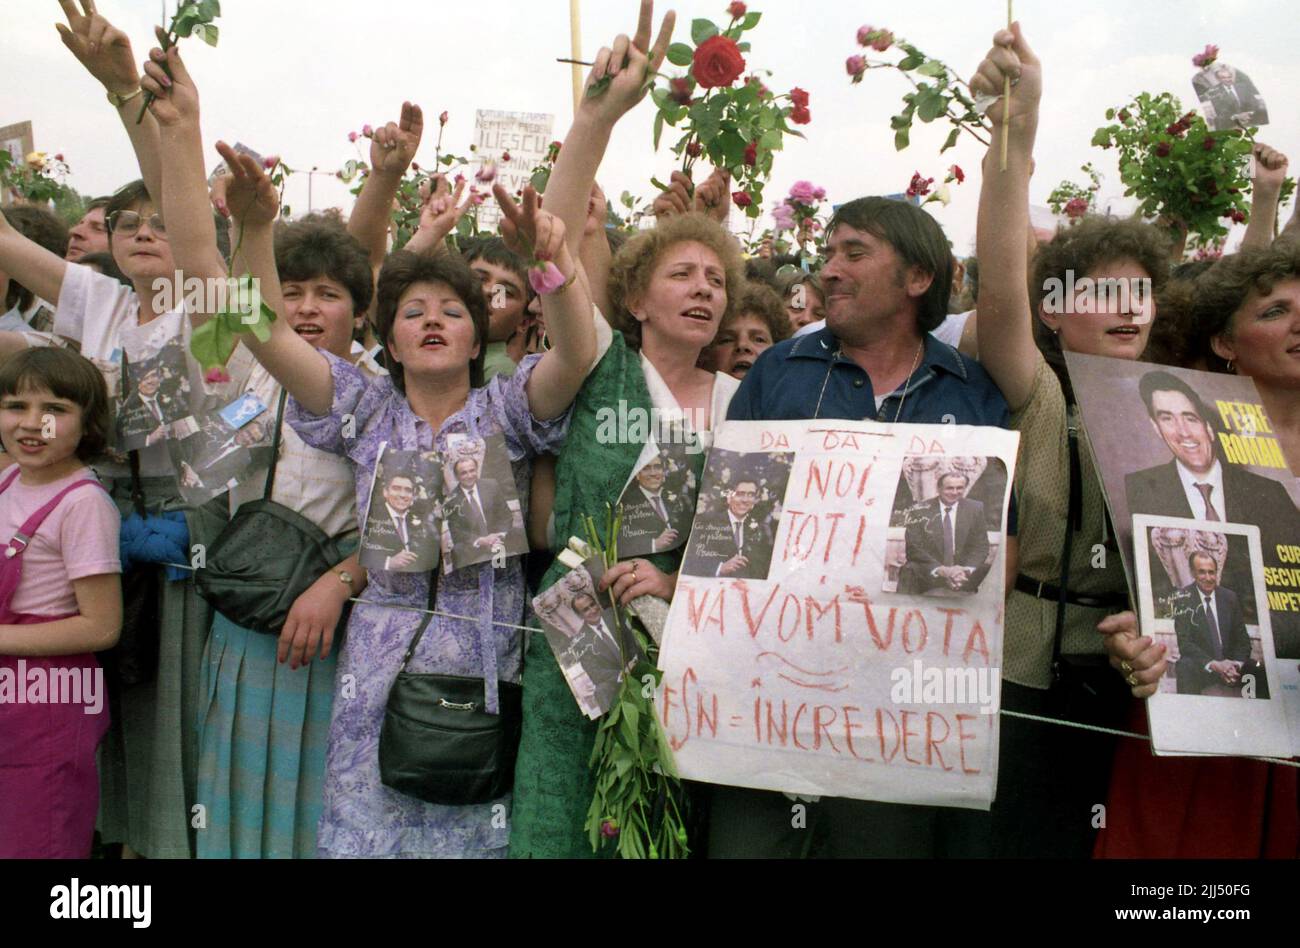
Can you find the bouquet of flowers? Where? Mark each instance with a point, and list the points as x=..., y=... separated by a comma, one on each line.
x=733, y=124
x=921, y=187
x=37, y=180
x=638, y=807
x=1178, y=168
x=946, y=97
x=1073, y=200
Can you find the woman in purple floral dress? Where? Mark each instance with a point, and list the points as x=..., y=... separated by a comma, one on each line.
x=432, y=318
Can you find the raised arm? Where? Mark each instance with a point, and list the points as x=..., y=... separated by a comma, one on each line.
x=1270, y=171
x=105, y=51
x=1006, y=337
x=30, y=264
x=392, y=149
x=539, y=235
x=626, y=66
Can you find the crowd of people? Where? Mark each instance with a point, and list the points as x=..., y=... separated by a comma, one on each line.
x=226, y=735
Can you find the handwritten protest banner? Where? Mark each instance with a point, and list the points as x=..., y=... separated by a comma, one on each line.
x=525, y=136
x=837, y=625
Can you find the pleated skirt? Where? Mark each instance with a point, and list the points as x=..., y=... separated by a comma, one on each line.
x=262, y=739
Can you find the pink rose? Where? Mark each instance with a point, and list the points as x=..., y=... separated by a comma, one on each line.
x=783, y=215
x=1206, y=56
x=856, y=67
x=486, y=174
x=819, y=194
x=216, y=376
x=608, y=828
x=882, y=40
x=545, y=278
x=367, y=131
x=741, y=199
x=59, y=157
x=864, y=35
x=1076, y=208
x=803, y=192
x=353, y=136
x=442, y=119
x=679, y=90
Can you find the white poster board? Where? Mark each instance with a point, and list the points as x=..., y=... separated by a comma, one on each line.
x=525, y=136
x=851, y=645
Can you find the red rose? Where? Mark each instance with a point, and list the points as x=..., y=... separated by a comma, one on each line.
x=741, y=199
x=958, y=175
x=737, y=10
x=799, y=97
x=800, y=115
x=1163, y=150
x=1076, y=207
x=59, y=156
x=1208, y=144
x=694, y=148
x=718, y=62
x=505, y=156
x=920, y=186
x=856, y=66
x=415, y=166
x=680, y=91
x=751, y=154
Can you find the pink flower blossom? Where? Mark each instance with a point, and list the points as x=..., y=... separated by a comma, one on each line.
x=442, y=119
x=486, y=174
x=741, y=199
x=608, y=828
x=879, y=40
x=353, y=136
x=216, y=376
x=804, y=192
x=59, y=157
x=864, y=35
x=1206, y=56
x=920, y=186
x=783, y=215
x=367, y=131
x=545, y=278
x=856, y=67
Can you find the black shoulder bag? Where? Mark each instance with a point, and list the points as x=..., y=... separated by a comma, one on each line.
x=265, y=557
x=437, y=744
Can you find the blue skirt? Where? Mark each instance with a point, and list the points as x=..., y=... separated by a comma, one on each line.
x=263, y=729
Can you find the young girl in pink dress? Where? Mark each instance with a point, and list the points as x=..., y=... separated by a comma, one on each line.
x=60, y=601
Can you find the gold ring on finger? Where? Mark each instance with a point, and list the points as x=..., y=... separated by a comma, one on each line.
x=1128, y=669
x=1132, y=680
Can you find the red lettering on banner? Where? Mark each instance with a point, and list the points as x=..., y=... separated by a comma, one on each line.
x=769, y=441
x=962, y=737
x=780, y=620
x=906, y=734
x=750, y=621
x=976, y=636
x=881, y=714
x=925, y=632
x=849, y=727
x=823, y=727
x=930, y=742
x=811, y=605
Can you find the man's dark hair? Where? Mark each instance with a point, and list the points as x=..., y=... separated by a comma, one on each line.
x=916, y=237
x=404, y=269
x=494, y=250
x=964, y=477
x=1161, y=381
x=41, y=227
x=317, y=247
x=399, y=475
x=1191, y=560
x=127, y=197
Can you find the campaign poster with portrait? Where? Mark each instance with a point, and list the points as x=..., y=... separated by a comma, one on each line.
x=401, y=533
x=1199, y=446
x=792, y=661
x=481, y=511
x=213, y=451
x=593, y=648
x=658, y=502
x=1229, y=98
x=1219, y=693
x=156, y=396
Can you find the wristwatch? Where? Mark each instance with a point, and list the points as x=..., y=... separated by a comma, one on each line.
x=345, y=578
x=117, y=101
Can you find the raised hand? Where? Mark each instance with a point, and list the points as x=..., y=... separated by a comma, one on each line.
x=175, y=97
x=393, y=147
x=677, y=199
x=439, y=214
x=713, y=197
x=102, y=48
x=1010, y=58
x=249, y=194
x=531, y=232
x=627, y=66
x=597, y=212
x=1270, y=169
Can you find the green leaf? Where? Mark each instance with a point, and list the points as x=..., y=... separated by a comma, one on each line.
x=1101, y=137
x=679, y=54
x=209, y=33
x=952, y=140
x=910, y=62
x=209, y=10
x=932, y=68
x=658, y=184
x=702, y=30
x=659, y=128
x=540, y=180
x=901, y=138
x=750, y=21
x=930, y=104
x=771, y=140
x=743, y=47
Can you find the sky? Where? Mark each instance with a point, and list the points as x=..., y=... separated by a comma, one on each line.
x=293, y=77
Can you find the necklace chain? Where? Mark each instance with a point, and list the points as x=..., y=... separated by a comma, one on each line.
x=916, y=362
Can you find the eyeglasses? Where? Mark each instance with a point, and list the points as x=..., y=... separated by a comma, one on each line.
x=127, y=223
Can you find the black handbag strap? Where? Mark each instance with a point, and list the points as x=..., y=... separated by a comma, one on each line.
x=424, y=623
x=1073, y=522
x=133, y=456
x=275, y=445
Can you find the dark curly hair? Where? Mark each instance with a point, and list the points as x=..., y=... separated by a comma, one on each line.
x=1216, y=296
x=316, y=247
x=402, y=270
x=1172, y=340
x=759, y=299
x=630, y=272
x=41, y=227
x=67, y=375
x=1082, y=248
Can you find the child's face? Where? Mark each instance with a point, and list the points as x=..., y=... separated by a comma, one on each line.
x=38, y=429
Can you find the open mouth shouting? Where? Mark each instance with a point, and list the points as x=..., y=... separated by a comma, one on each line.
x=309, y=331
x=433, y=340
x=699, y=314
